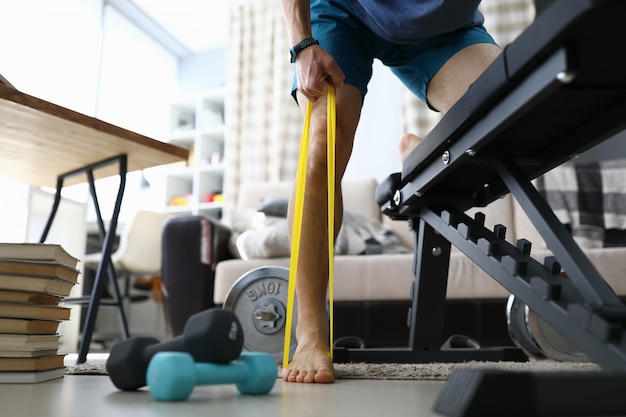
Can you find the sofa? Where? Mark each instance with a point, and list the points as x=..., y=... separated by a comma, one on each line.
x=372, y=288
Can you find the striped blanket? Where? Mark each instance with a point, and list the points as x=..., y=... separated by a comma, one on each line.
x=590, y=199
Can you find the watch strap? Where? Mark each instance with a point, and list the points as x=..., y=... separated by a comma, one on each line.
x=295, y=50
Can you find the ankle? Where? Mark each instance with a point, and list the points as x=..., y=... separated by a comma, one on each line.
x=313, y=333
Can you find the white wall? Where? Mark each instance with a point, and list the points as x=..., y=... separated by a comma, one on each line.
x=13, y=210
x=89, y=58
x=202, y=71
x=138, y=79
x=51, y=49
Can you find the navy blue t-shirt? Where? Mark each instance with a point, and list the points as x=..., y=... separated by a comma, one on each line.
x=411, y=21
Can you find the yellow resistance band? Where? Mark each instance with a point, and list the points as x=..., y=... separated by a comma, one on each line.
x=297, y=222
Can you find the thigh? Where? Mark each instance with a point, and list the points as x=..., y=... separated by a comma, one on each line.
x=417, y=65
x=458, y=73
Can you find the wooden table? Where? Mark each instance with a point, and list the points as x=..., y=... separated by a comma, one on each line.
x=40, y=141
x=49, y=145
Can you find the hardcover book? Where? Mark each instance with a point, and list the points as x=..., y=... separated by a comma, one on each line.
x=28, y=326
x=29, y=298
x=29, y=341
x=32, y=283
x=27, y=353
x=34, y=311
x=40, y=363
x=38, y=251
x=46, y=268
x=31, y=377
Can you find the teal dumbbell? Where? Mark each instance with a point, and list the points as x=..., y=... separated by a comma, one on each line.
x=172, y=376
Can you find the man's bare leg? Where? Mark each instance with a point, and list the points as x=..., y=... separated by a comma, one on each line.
x=311, y=361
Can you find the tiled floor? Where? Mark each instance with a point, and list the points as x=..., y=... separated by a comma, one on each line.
x=94, y=396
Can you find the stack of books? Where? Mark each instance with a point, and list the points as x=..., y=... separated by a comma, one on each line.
x=34, y=279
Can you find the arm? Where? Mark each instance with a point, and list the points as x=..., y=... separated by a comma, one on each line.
x=315, y=68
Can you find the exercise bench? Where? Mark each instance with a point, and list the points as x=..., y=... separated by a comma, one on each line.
x=558, y=90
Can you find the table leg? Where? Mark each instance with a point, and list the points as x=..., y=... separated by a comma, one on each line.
x=107, y=238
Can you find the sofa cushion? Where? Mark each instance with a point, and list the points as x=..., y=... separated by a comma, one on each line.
x=275, y=206
x=257, y=235
x=358, y=195
x=389, y=277
x=374, y=278
x=357, y=278
x=360, y=235
x=260, y=232
x=268, y=241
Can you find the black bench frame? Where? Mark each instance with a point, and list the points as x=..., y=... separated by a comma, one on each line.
x=533, y=109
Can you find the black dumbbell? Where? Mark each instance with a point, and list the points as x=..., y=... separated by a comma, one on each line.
x=213, y=335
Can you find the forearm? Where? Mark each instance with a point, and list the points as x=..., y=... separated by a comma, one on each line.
x=297, y=15
x=315, y=68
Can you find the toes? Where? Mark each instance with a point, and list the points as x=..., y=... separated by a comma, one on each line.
x=302, y=376
x=289, y=375
x=324, y=376
x=308, y=377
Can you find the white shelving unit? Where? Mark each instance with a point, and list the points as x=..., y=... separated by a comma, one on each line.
x=197, y=123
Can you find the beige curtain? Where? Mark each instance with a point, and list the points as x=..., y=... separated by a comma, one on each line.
x=504, y=19
x=264, y=124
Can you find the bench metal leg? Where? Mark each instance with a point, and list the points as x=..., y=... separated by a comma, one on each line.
x=426, y=315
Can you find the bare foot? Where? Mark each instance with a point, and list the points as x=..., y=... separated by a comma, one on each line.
x=311, y=363
x=407, y=142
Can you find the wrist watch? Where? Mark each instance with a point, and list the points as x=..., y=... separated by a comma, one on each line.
x=300, y=46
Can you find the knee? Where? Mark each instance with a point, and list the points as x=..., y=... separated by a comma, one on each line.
x=317, y=164
x=344, y=137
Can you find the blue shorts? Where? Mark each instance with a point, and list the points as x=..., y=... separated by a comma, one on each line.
x=342, y=33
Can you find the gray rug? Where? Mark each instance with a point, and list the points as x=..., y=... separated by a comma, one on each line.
x=86, y=369
x=441, y=371
x=399, y=371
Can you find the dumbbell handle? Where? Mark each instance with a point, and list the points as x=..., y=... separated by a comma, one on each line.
x=221, y=343
x=176, y=344
x=172, y=376
x=214, y=373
